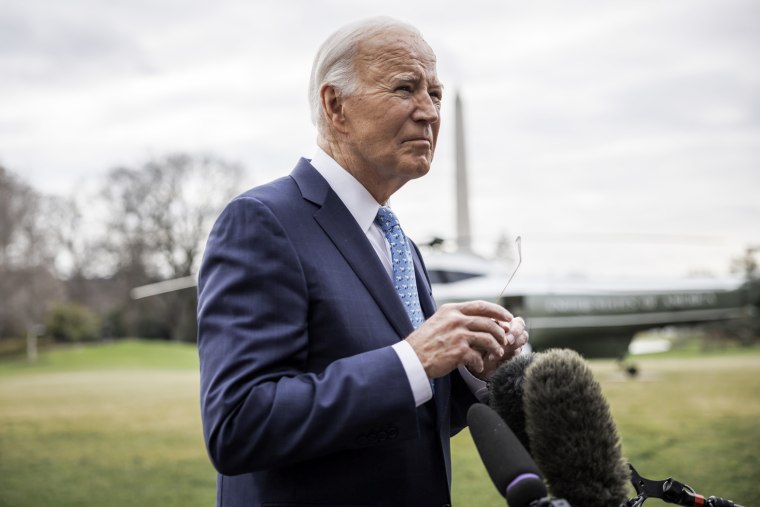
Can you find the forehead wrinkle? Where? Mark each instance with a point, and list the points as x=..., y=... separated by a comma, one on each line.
x=413, y=76
x=387, y=51
x=397, y=66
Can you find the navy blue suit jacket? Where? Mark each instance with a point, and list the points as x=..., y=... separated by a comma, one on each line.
x=303, y=400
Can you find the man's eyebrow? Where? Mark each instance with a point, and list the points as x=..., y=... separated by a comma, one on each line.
x=416, y=77
x=407, y=76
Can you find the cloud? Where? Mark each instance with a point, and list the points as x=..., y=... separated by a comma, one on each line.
x=583, y=118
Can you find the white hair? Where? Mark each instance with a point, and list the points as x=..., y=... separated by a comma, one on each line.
x=334, y=62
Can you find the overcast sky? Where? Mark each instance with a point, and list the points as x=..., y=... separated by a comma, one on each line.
x=617, y=138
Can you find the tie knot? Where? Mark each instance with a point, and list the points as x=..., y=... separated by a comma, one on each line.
x=386, y=219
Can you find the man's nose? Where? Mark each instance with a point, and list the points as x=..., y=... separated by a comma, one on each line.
x=426, y=108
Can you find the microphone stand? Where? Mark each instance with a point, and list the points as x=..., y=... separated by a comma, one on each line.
x=671, y=491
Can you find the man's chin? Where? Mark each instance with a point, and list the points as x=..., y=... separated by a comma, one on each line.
x=418, y=165
x=418, y=170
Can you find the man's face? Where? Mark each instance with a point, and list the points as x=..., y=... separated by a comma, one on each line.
x=393, y=120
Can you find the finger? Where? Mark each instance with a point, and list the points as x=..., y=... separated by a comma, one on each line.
x=485, y=309
x=522, y=339
x=515, y=323
x=474, y=362
x=490, y=326
x=485, y=343
x=515, y=330
x=490, y=359
x=518, y=342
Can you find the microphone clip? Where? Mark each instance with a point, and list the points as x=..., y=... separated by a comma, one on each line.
x=670, y=491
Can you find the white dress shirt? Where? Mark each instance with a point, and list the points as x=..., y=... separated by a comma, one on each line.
x=363, y=207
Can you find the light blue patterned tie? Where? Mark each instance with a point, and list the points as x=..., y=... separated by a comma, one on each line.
x=402, y=265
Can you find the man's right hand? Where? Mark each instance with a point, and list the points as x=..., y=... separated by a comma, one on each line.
x=462, y=334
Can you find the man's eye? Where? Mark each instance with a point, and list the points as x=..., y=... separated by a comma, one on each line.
x=404, y=88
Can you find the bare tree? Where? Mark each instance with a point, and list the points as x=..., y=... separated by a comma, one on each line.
x=747, y=264
x=28, y=286
x=160, y=214
x=152, y=224
x=22, y=239
x=158, y=218
x=77, y=253
x=27, y=294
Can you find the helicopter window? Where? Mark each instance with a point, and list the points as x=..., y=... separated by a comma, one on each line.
x=446, y=276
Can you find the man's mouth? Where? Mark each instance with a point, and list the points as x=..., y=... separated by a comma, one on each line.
x=416, y=140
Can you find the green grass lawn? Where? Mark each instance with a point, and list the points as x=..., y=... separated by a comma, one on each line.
x=109, y=425
x=119, y=425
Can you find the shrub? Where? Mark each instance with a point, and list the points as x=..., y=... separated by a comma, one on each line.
x=72, y=323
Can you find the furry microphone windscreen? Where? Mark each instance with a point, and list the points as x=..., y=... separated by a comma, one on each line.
x=573, y=437
x=505, y=394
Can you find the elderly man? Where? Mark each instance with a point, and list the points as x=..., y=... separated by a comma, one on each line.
x=327, y=375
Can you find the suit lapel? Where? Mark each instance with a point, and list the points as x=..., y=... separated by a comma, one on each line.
x=338, y=223
x=335, y=219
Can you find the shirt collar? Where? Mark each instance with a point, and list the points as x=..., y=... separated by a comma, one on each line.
x=360, y=203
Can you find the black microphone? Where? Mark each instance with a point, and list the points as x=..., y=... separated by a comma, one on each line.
x=511, y=468
x=505, y=394
x=573, y=437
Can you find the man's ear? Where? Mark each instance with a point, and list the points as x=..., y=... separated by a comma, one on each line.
x=332, y=107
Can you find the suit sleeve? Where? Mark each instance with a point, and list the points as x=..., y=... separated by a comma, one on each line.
x=260, y=406
x=462, y=399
